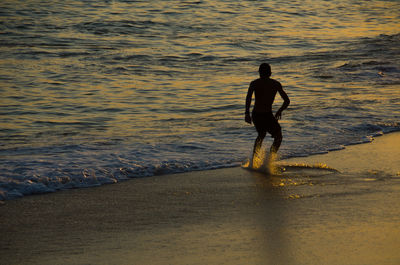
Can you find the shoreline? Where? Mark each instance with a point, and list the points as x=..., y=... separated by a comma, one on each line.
x=311, y=158
x=220, y=216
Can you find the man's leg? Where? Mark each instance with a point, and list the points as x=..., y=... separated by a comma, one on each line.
x=258, y=143
x=277, y=142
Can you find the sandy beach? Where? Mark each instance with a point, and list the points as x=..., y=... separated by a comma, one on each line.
x=223, y=216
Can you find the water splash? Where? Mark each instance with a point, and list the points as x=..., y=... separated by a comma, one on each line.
x=263, y=162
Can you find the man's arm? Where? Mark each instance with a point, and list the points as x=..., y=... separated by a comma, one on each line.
x=247, y=116
x=286, y=102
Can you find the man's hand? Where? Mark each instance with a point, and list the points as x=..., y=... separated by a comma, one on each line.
x=247, y=118
x=278, y=115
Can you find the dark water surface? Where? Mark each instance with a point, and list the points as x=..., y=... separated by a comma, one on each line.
x=93, y=92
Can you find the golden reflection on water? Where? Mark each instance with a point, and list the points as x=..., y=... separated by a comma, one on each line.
x=104, y=79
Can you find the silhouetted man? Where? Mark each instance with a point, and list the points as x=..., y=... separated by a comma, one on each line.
x=265, y=89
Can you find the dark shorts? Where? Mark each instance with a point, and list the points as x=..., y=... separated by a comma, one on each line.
x=266, y=122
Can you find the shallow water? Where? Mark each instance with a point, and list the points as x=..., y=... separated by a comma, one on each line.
x=94, y=92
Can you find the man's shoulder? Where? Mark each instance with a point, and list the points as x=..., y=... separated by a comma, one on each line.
x=276, y=84
x=256, y=81
x=253, y=83
x=275, y=81
x=262, y=81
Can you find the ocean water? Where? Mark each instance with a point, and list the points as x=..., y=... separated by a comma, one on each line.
x=95, y=92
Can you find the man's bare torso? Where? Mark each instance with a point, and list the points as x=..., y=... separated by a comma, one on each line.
x=265, y=91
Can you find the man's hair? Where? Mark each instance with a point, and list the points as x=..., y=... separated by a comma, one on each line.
x=265, y=69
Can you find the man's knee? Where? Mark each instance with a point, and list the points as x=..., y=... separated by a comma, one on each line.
x=261, y=135
x=277, y=135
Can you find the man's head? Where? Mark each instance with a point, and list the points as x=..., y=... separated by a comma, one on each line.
x=265, y=70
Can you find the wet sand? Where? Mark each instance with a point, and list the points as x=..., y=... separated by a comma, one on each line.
x=224, y=216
